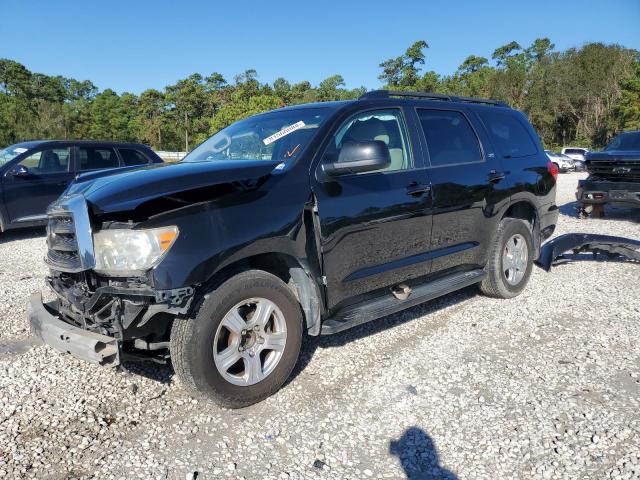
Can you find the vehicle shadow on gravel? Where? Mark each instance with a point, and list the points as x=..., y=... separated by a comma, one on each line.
x=22, y=234
x=418, y=456
x=611, y=212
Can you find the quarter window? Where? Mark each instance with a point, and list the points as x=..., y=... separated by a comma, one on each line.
x=132, y=157
x=509, y=134
x=94, y=158
x=450, y=138
x=53, y=160
x=384, y=125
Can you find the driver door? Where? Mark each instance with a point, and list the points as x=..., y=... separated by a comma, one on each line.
x=48, y=172
x=375, y=227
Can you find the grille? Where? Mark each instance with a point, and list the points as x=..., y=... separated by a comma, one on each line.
x=617, y=170
x=69, y=239
x=63, y=247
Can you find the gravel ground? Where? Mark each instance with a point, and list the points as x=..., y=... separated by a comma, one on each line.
x=543, y=386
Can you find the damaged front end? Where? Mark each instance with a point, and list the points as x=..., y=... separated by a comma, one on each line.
x=554, y=250
x=101, y=319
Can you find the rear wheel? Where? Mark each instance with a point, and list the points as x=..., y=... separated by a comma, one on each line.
x=242, y=343
x=510, y=260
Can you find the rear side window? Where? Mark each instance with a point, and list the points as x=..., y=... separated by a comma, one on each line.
x=132, y=157
x=450, y=138
x=95, y=158
x=509, y=134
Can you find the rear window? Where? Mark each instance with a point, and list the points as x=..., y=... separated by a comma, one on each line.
x=450, y=138
x=95, y=158
x=132, y=157
x=509, y=134
x=578, y=151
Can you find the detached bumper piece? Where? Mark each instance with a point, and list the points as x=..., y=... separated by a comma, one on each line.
x=90, y=346
x=586, y=242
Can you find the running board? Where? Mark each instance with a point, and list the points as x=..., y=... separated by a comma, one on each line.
x=364, y=312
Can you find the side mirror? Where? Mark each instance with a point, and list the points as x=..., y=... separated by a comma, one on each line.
x=356, y=157
x=19, y=171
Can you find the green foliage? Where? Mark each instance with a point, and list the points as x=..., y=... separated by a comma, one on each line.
x=580, y=95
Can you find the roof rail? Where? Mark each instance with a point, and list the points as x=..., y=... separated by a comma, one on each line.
x=377, y=94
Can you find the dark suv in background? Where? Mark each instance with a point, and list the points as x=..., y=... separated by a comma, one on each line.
x=34, y=174
x=310, y=219
x=614, y=175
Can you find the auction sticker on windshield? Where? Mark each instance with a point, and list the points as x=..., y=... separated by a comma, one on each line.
x=283, y=132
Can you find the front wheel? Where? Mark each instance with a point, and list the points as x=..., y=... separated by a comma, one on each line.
x=243, y=341
x=510, y=260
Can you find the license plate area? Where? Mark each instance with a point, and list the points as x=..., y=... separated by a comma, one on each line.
x=618, y=194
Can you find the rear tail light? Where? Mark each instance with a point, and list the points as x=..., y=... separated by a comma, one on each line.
x=553, y=170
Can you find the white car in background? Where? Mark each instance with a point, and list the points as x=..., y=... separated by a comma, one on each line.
x=578, y=154
x=563, y=162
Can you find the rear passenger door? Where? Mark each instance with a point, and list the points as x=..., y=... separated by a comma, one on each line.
x=466, y=178
x=90, y=158
x=374, y=226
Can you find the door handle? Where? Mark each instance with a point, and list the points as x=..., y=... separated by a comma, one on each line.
x=416, y=189
x=495, y=176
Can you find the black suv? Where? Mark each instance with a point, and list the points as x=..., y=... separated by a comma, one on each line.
x=34, y=174
x=305, y=220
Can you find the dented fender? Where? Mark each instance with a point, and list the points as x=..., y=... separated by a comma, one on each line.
x=587, y=242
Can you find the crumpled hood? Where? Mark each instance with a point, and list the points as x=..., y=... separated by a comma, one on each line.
x=118, y=190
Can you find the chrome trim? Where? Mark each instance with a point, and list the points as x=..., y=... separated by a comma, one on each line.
x=76, y=205
x=31, y=218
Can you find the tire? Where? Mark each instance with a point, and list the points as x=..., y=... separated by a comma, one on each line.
x=497, y=283
x=199, y=343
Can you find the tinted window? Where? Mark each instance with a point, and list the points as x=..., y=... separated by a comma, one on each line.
x=509, y=134
x=384, y=125
x=573, y=151
x=53, y=160
x=450, y=138
x=132, y=157
x=93, y=158
x=625, y=141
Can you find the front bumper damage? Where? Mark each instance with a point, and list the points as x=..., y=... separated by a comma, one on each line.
x=64, y=337
x=612, y=246
x=110, y=324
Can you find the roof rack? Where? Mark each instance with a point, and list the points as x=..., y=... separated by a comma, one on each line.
x=377, y=94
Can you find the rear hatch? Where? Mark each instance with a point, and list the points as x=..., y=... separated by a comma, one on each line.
x=621, y=166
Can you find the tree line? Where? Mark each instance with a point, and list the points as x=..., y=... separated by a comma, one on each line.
x=579, y=96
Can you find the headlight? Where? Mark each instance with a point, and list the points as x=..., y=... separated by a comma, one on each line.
x=121, y=252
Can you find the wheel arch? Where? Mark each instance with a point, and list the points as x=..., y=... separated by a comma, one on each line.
x=292, y=271
x=525, y=210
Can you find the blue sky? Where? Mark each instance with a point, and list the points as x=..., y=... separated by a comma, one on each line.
x=137, y=44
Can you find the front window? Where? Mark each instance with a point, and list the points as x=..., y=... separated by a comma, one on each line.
x=11, y=152
x=279, y=135
x=625, y=142
x=51, y=160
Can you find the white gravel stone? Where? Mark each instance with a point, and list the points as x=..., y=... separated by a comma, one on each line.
x=542, y=386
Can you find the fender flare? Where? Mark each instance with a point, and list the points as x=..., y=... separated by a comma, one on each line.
x=309, y=298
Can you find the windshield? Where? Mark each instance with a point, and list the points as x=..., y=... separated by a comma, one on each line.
x=279, y=135
x=11, y=152
x=625, y=141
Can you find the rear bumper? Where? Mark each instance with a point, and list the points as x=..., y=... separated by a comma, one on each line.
x=593, y=192
x=90, y=346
